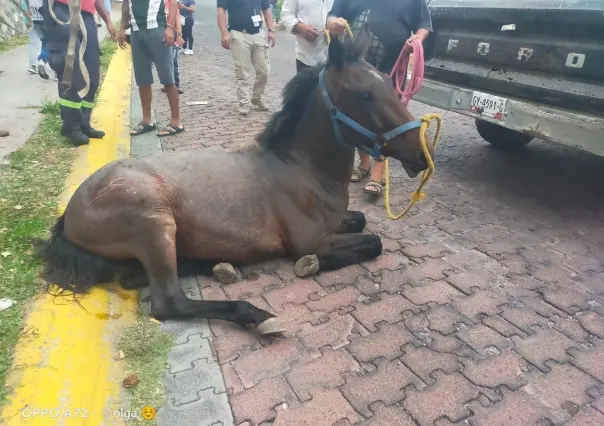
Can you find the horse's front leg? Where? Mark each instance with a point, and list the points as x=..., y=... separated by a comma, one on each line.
x=339, y=250
x=169, y=301
x=353, y=222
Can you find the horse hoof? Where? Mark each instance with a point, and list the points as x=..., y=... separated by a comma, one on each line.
x=306, y=265
x=270, y=326
x=225, y=273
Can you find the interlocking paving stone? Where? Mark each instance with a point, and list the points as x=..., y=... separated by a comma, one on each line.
x=515, y=246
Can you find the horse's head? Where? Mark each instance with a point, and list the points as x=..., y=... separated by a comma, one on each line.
x=365, y=108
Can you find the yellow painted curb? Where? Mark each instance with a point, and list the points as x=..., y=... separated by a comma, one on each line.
x=63, y=368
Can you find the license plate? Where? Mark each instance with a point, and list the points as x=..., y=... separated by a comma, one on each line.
x=488, y=105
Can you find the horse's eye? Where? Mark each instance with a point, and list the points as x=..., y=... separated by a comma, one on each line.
x=365, y=96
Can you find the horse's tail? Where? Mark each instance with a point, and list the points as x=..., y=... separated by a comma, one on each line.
x=72, y=268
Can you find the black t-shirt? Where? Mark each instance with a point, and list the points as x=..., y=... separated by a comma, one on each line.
x=241, y=11
x=390, y=22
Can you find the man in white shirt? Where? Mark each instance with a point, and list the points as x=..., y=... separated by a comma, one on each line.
x=306, y=19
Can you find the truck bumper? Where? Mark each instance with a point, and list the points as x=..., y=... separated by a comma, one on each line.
x=569, y=128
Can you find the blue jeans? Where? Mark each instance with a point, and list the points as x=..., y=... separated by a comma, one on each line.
x=37, y=37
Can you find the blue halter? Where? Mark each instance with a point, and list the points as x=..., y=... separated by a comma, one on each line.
x=338, y=117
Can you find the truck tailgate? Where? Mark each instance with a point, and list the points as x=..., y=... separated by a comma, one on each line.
x=543, y=50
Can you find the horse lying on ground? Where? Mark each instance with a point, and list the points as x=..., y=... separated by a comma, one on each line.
x=137, y=220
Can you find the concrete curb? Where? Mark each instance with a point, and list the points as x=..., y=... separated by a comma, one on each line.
x=64, y=363
x=195, y=389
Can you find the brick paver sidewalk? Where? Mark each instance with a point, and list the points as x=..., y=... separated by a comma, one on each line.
x=486, y=308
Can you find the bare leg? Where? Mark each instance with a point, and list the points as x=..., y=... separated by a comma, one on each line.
x=146, y=98
x=172, y=92
x=365, y=160
x=352, y=223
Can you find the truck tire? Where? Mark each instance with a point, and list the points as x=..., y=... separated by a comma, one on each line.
x=502, y=137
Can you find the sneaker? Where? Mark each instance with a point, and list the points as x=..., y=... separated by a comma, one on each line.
x=188, y=52
x=260, y=104
x=43, y=69
x=244, y=109
x=33, y=69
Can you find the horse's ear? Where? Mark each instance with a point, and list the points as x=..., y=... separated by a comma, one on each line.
x=336, y=52
x=362, y=41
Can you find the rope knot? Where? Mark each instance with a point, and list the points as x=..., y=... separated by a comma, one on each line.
x=417, y=196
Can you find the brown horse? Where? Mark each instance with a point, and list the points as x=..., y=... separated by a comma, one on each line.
x=137, y=220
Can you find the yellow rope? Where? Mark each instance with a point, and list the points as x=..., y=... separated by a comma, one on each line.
x=426, y=175
x=348, y=31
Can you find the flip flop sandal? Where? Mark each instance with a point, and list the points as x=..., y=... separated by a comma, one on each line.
x=171, y=130
x=142, y=128
x=376, y=188
x=180, y=91
x=359, y=174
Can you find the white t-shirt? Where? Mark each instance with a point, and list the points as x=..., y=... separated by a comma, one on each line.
x=313, y=13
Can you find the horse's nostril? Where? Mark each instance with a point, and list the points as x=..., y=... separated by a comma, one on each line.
x=422, y=159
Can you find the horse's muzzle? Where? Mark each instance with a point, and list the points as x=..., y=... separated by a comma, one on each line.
x=422, y=163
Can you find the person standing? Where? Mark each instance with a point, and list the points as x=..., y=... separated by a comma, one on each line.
x=274, y=10
x=152, y=37
x=76, y=111
x=187, y=8
x=249, y=44
x=38, y=56
x=176, y=51
x=391, y=24
x=306, y=19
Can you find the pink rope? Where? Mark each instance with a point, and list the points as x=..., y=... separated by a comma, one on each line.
x=399, y=71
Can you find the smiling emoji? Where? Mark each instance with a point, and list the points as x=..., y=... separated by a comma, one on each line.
x=148, y=412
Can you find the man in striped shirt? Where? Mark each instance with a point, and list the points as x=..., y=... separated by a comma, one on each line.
x=154, y=30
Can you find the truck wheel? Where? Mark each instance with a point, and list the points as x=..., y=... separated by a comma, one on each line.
x=501, y=137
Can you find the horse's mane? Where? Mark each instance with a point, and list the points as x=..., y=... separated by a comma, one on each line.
x=277, y=134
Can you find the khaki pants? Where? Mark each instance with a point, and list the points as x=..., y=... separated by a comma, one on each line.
x=250, y=53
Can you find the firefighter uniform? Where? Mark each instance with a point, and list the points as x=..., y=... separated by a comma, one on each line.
x=75, y=111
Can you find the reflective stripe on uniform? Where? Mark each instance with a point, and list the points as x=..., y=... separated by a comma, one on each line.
x=86, y=104
x=70, y=104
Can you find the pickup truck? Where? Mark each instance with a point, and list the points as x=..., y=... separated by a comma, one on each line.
x=523, y=69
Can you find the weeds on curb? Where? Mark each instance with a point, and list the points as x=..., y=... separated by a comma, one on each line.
x=30, y=186
x=145, y=348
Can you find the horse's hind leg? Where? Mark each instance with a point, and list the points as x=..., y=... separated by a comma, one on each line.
x=353, y=223
x=168, y=300
x=135, y=277
x=337, y=251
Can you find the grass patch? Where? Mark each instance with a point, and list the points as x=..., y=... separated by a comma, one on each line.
x=11, y=43
x=145, y=350
x=108, y=48
x=30, y=186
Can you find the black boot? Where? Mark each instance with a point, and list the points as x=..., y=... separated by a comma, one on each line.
x=93, y=133
x=75, y=136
